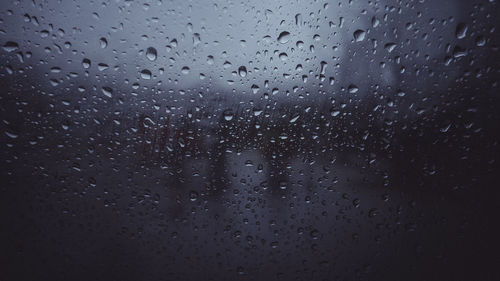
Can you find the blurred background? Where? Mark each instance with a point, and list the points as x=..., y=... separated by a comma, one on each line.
x=249, y=140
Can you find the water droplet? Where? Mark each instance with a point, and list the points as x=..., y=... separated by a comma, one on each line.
x=196, y=39
x=185, y=70
x=107, y=91
x=102, y=66
x=228, y=115
x=10, y=46
x=298, y=19
x=459, y=52
x=373, y=213
x=314, y=234
x=257, y=112
x=480, y=41
x=390, y=47
x=103, y=42
x=210, y=60
x=353, y=89
x=283, y=184
x=151, y=54
x=284, y=37
x=242, y=71
x=255, y=88
x=461, y=31
x=294, y=119
x=86, y=63
x=359, y=35
x=324, y=64
x=193, y=195
x=146, y=74
x=11, y=135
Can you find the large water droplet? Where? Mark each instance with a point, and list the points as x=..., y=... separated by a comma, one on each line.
x=228, y=115
x=103, y=42
x=390, y=47
x=146, y=74
x=461, y=31
x=284, y=37
x=359, y=35
x=151, y=54
x=255, y=89
x=10, y=46
x=242, y=71
x=353, y=89
x=86, y=63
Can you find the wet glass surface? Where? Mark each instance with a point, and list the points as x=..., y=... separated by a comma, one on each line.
x=251, y=140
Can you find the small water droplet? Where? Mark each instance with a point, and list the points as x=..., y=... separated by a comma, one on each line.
x=193, y=195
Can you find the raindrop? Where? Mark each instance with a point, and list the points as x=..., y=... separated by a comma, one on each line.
x=298, y=19
x=353, y=89
x=324, y=64
x=294, y=119
x=210, y=60
x=480, y=41
x=193, y=195
x=107, y=91
x=11, y=135
x=102, y=66
x=146, y=74
x=359, y=35
x=284, y=37
x=390, y=47
x=103, y=42
x=196, y=39
x=461, y=31
x=10, y=46
x=257, y=112
x=86, y=63
x=255, y=88
x=242, y=71
x=228, y=115
x=151, y=54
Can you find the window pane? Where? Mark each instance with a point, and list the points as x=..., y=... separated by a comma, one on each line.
x=250, y=140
